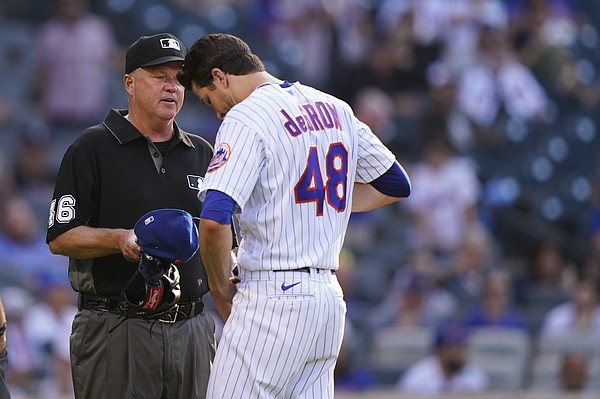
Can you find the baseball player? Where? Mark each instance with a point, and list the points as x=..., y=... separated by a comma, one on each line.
x=294, y=162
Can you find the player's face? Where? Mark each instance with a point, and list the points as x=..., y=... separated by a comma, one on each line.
x=215, y=97
x=157, y=91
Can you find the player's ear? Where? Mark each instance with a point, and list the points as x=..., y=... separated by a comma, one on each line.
x=219, y=77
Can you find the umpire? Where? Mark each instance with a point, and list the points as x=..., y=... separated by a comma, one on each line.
x=136, y=161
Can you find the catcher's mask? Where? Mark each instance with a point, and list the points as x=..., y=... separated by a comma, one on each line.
x=169, y=234
x=154, y=287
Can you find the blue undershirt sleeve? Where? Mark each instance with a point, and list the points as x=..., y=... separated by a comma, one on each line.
x=218, y=206
x=395, y=182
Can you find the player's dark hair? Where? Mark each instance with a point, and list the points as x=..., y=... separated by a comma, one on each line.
x=217, y=50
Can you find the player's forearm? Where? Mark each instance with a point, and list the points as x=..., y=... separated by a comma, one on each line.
x=215, y=241
x=84, y=242
x=366, y=198
x=223, y=307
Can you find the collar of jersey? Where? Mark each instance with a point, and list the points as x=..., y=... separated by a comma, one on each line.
x=125, y=132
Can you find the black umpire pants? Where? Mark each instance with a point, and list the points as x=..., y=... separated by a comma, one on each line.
x=113, y=357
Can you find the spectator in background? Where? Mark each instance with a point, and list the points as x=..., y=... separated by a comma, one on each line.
x=76, y=51
x=441, y=214
x=307, y=27
x=570, y=373
x=546, y=35
x=495, y=307
x=396, y=64
x=497, y=81
x=406, y=305
x=575, y=373
x=446, y=370
x=467, y=18
x=375, y=107
x=581, y=313
x=591, y=257
x=443, y=113
x=34, y=168
x=414, y=297
x=590, y=264
x=23, y=250
x=48, y=326
x=547, y=282
x=465, y=275
x=541, y=32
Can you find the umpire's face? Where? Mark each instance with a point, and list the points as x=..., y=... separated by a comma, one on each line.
x=155, y=91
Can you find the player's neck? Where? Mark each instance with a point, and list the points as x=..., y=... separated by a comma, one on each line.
x=262, y=78
x=242, y=86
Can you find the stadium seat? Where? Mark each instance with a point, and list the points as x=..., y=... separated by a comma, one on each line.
x=503, y=353
x=396, y=348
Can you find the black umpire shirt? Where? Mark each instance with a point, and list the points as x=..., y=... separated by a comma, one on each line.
x=112, y=175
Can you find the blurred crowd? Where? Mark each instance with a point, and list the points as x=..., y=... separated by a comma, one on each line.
x=491, y=105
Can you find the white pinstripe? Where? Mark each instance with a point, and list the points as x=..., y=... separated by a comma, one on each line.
x=280, y=344
x=265, y=165
x=284, y=343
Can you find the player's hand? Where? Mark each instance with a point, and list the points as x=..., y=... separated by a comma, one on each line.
x=129, y=246
x=223, y=303
x=223, y=308
x=234, y=279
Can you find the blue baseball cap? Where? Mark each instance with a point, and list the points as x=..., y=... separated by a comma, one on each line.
x=167, y=233
x=451, y=335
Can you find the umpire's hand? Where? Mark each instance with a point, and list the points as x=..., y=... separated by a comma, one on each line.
x=130, y=247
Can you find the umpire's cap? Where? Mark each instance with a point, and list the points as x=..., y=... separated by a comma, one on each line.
x=167, y=233
x=154, y=50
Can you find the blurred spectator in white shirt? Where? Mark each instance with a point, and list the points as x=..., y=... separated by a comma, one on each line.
x=581, y=313
x=76, y=51
x=446, y=370
x=498, y=79
x=48, y=324
x=443, y=203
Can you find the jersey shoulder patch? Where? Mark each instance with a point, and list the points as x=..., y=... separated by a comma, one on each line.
x=221, y=156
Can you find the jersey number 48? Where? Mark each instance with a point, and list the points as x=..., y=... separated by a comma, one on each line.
x=312, y=188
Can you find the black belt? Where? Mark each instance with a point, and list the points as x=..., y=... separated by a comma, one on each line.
x=181, y=311
x=307, y=270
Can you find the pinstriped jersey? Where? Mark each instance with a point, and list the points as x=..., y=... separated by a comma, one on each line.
x=289, y=155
